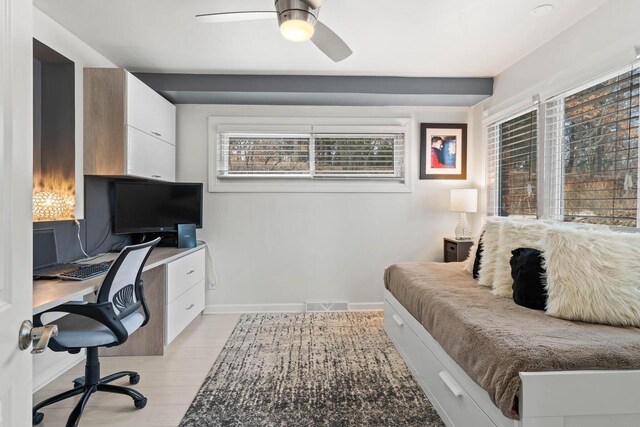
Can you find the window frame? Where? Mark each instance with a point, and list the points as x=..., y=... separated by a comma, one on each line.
x=553, y=199
x=493, y=183
x=305, y=183
x=550, y=177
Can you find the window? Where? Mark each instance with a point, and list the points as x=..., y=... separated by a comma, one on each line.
x=513, y=166
x=592, y=152
x=269, y=157
x=254, y=155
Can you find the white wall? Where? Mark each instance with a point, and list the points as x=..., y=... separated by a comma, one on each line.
x=602, y=41
x=277, y=248
x=64, y=42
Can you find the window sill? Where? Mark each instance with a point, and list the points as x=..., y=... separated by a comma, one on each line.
x=296, y=185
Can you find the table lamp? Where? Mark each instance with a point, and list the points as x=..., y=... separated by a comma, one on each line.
x=463, y=201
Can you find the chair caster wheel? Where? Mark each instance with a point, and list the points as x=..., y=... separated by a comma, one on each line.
x=37, y=418
x=78, y=382
x=134, y=379
x=140, y=403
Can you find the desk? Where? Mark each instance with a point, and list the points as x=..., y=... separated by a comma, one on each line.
x=50, y=293
x=169, y=281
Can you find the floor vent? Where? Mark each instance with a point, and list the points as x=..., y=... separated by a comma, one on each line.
x=327, y=306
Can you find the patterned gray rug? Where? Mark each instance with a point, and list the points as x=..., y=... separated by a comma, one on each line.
x=318, y=369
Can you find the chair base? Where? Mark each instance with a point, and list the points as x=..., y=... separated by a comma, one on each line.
x=90, y=384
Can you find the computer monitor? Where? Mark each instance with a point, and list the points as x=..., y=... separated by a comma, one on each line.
x=45, y=253
x=150, y=207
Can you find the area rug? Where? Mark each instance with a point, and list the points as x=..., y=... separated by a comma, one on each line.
x=310, y=369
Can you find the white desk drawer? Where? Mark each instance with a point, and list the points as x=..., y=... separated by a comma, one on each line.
x=181, y=311
x=183, y=273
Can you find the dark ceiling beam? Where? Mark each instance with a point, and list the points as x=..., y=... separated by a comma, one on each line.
x=318, y=90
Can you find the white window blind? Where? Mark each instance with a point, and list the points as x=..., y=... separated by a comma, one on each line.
x=325, y=155
x=591, y=152
x=512, y=166
x=263, y=154
x=347, y=155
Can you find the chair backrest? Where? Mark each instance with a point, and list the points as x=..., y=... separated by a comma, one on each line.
x=122, y=285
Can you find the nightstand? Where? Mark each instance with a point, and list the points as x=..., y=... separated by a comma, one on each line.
x=456, y=250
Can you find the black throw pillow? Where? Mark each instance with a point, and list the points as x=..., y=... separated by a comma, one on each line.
x=529, y=278
x=478, y=258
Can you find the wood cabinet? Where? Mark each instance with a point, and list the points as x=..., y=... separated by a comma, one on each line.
x=129, y=129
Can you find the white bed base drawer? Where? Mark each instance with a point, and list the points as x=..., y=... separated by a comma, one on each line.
x=182, y=311
x=547, y=399
x=183, y=273
x=453, y=403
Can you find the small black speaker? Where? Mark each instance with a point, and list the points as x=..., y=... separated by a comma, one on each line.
x=186, y=235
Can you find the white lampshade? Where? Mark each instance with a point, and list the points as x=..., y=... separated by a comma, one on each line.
x=464, y=200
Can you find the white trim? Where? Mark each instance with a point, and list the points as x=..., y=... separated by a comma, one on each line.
x=334, y=185
x=282, y=308
x=254, y=308
x=366, y=306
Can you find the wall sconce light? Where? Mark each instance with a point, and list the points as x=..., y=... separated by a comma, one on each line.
x=49, y=206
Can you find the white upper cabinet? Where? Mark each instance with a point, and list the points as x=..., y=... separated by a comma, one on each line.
x=129, y=129
x=150, y=112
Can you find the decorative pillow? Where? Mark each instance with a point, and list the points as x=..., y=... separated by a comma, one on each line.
x=478, y=258
x=593, y=276
x=528, y=278
x=472, y=263
x=514, y=234
x=489, y=251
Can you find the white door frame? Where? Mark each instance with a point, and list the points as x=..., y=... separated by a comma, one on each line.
x=16, y=158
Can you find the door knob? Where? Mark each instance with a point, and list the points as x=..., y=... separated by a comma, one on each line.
x=39, y=336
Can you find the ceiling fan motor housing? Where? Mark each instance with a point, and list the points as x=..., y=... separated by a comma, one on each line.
x=296, y=10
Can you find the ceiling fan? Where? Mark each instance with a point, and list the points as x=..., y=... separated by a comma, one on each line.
x=298, y=20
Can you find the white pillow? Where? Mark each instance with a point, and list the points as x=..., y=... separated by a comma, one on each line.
x=514, y=234
x=593, y=276
x=489, y=251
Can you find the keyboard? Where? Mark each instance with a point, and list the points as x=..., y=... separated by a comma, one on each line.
x=86, y=271
x=54, y=271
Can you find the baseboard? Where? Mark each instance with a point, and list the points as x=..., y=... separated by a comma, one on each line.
x=366, y=306
x=281, y=308
x=253, y=308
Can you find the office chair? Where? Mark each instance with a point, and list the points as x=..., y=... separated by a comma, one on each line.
x=119, y=310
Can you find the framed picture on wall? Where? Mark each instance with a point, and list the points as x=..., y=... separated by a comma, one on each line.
x=443, y=151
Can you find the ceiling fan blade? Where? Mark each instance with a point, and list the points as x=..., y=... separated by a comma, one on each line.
x=236, y=16
x=330, y=43
x=314, y=3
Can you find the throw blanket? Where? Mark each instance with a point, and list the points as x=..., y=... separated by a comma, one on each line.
x=493, y=339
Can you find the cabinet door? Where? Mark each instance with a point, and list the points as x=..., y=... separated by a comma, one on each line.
x=150, y=112
x=149, y=157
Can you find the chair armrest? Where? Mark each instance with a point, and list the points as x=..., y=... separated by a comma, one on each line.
x=100, y=312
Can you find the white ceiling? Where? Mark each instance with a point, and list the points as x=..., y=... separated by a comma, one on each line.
x=449, y=38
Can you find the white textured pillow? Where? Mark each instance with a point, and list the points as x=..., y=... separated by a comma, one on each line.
x=489, y=251
x=593, y=276
x=467, y=265
x=514, y=234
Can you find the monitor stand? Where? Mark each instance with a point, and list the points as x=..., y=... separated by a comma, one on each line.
x=167, y=239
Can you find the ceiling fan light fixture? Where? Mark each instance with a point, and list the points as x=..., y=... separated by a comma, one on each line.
x=296, y=30
x=297, y=25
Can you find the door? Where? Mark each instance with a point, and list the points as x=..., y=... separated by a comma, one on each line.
x=16, y=148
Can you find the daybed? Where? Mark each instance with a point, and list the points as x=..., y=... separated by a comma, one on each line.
x=484, y=361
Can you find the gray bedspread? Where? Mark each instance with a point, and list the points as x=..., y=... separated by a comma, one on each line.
x=493, y=339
